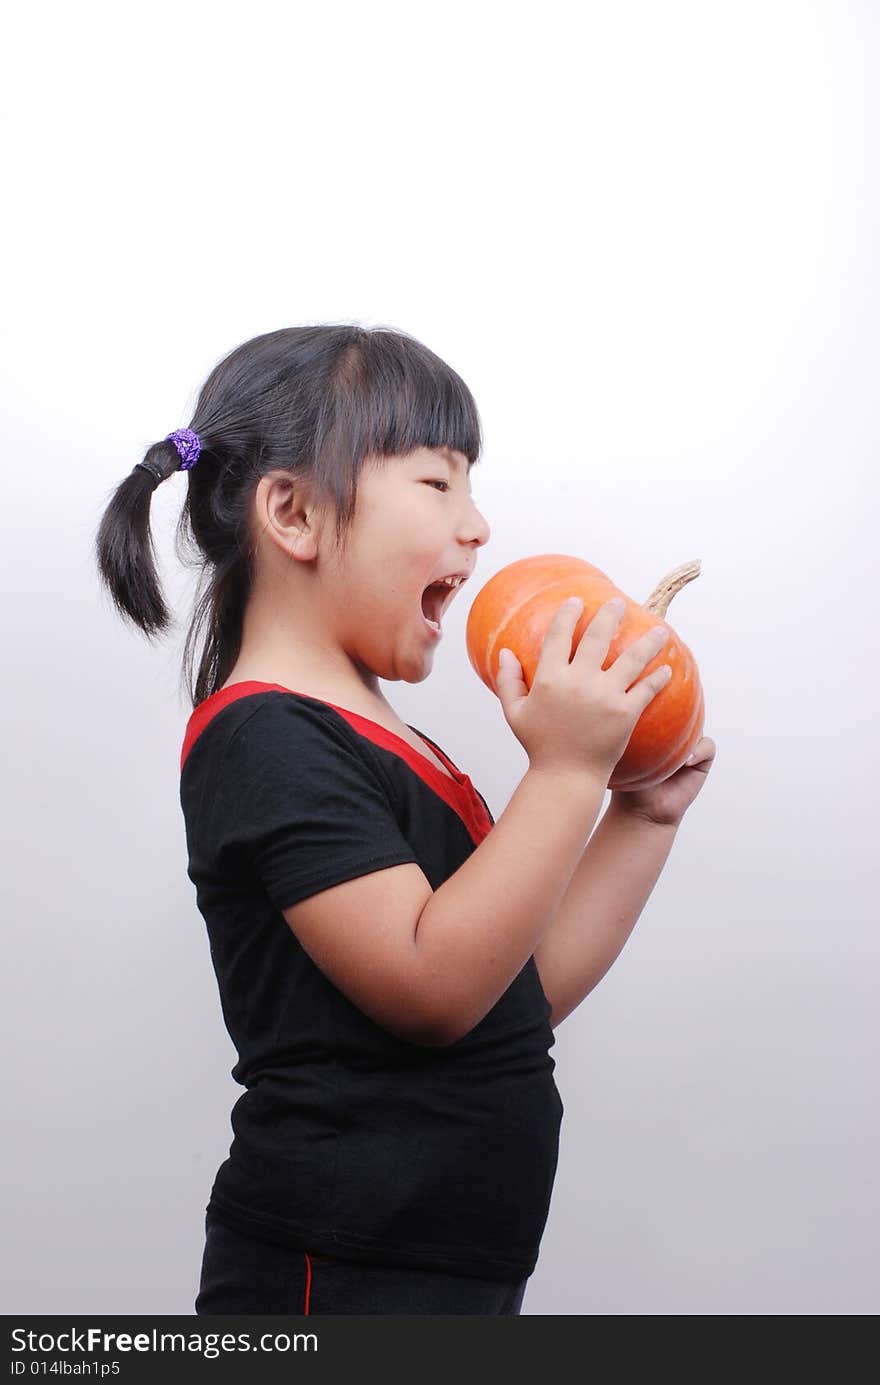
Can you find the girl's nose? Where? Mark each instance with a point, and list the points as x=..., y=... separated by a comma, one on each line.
x=475, y=527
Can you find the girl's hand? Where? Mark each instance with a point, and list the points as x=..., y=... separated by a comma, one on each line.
x=667, y=803
x=577, y=713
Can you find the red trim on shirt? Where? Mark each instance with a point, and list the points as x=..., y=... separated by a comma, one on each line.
x=458, y=791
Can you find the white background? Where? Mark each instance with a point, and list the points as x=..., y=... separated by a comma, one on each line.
x=646, y=236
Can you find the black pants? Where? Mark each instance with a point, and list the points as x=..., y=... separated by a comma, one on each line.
x=244, y=1275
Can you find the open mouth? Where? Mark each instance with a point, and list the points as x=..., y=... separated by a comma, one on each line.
x=435, y=600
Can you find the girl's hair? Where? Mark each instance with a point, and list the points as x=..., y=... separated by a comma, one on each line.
x=315, y=401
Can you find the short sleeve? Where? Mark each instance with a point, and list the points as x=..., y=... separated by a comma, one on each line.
x=299, y=803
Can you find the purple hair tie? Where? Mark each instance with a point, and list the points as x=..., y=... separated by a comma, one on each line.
x=188, y=444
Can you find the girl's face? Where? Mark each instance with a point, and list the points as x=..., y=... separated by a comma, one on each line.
x=415, y=522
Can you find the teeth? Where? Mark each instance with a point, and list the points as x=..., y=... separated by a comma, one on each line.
x=452, y=581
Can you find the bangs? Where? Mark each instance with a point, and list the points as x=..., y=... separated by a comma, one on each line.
x=389, y=394
x=410, y=398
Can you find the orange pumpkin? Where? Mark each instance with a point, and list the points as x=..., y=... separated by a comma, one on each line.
x=514, y=609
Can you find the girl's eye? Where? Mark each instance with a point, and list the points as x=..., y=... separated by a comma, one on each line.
x=438, y=483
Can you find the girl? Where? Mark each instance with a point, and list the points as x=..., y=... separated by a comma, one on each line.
x=372, y=929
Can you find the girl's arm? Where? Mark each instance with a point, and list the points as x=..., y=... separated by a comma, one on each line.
x=428, y=965
x=478, y=930
x=607, y=893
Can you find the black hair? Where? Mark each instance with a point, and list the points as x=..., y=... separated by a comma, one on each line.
x=315, y=401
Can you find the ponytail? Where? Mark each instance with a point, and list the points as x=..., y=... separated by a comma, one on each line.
x=124, y=543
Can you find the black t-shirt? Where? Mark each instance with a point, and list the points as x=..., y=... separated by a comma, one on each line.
x=348, y=1140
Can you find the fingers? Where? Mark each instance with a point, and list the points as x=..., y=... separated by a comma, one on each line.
x=627, y=667
x=596, y=639
x=556, y=644
x=633, y=660
x=655, y=682
x=600, y=631
x=595, y=642
x=509, y=682
x=703, y=752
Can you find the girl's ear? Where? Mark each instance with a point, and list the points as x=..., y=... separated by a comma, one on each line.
x=285, y=513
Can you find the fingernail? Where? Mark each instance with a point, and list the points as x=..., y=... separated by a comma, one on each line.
x=574, y=601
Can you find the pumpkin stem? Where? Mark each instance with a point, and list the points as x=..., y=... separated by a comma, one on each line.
x=658, y=602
